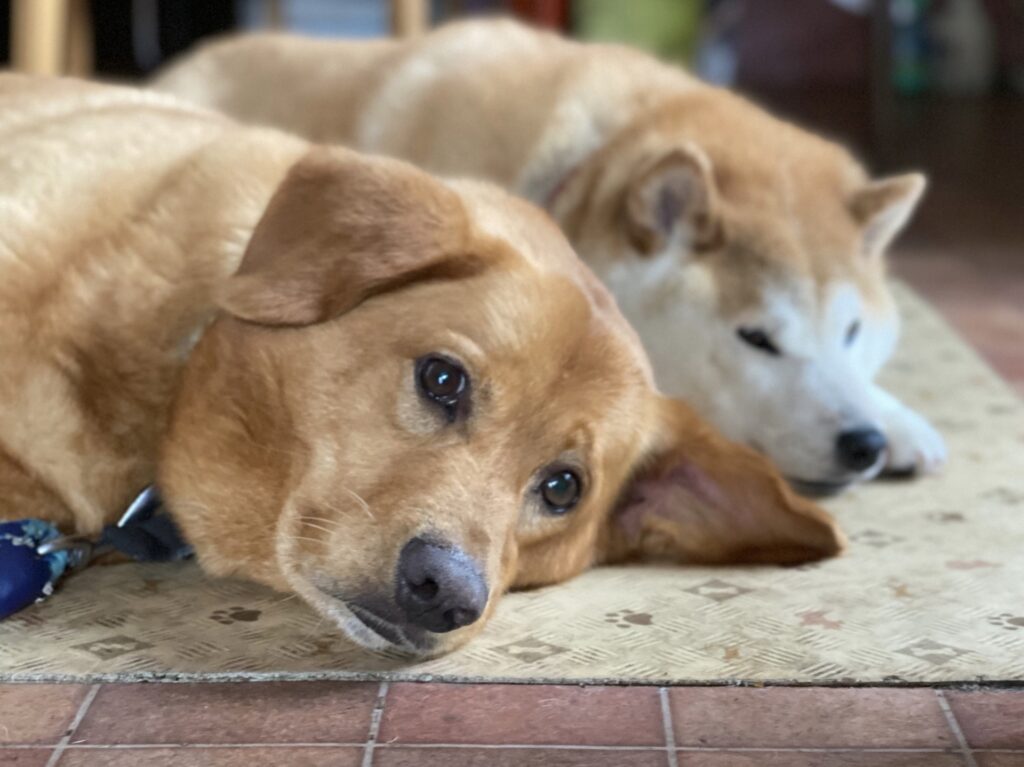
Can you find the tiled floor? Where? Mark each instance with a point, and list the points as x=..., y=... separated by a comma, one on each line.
x=966, y=254
x=423, y=725
x=981, y=291
x=982, y=296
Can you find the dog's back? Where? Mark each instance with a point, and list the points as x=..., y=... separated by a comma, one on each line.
x=484, y=98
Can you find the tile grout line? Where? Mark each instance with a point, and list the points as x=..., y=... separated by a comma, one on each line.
x=668, y=727
x=503, y=746
x=958, y=732
x=58, y=750
x=375, y=716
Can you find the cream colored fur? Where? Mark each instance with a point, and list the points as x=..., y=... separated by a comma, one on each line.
x=773, y=228
x=241, y=317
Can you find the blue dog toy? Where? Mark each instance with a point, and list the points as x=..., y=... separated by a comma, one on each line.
x=34, y=555
x=26, y=576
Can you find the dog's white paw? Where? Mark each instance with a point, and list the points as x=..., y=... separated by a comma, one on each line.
x=915, y=447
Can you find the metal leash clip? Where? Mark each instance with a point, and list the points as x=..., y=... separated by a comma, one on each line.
x=82, y=550
x=34, y=556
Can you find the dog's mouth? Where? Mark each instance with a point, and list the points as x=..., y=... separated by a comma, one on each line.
x=818, y=488
x=401, y=637
x=368, y=628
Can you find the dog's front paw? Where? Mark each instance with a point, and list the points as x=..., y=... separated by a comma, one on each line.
x=915, y=447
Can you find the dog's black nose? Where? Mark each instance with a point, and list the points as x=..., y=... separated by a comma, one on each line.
x=439, y=588
x=859, y=449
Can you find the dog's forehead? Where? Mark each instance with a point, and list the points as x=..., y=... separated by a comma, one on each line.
x=551, y=287
x=530, y=231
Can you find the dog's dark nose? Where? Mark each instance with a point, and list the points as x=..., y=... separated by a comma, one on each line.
x=859, y=449
x=440, y=588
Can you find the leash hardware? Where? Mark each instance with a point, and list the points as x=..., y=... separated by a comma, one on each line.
x=80, y=549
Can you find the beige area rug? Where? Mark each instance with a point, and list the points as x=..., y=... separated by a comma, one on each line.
x=932, y=590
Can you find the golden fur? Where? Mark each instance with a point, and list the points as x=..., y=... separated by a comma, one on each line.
x=702, y=213
x=236, y=315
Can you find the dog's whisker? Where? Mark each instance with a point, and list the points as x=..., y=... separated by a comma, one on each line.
x=317, y=527
x=361, y=501
x=325, y=520
x=329, y=507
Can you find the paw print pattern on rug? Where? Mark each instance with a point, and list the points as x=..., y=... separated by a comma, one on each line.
x=235, y=615
x=946, y=517
x=625, y=619
x=1007, y=621
x=876, y=538
x=1004, y=495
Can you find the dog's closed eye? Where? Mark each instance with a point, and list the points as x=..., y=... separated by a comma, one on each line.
x=852, y=332
x=444, y=383
x=759, y=339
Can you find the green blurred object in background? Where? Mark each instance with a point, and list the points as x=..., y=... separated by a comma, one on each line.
x=667, y=28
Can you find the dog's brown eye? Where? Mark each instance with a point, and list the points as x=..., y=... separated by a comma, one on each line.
x=560, y=491
x=444, y=382
x=759, y=340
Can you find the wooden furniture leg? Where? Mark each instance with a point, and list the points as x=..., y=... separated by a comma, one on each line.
x=80, y=41
x=410, y=17
x=38, y=34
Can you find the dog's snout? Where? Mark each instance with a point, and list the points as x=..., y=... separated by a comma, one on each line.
x=439, y=588
x=860, y=449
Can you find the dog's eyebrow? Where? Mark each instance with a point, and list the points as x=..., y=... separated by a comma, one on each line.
x=465, y=348
x=580, y=443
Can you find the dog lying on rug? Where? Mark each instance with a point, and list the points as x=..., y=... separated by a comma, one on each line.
x=392, y=395
x=748, y=254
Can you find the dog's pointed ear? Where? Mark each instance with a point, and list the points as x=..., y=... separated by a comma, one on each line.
x=699, y=498
x=884, y=207
x=674, y=192
x=341, y=228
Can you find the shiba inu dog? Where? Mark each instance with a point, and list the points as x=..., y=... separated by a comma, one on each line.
x=393, y=395
x=748, y=253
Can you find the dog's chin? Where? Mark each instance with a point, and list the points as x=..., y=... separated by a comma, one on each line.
x=829, y=486
x=816, y=488
x=372, y=632
x=363, y=627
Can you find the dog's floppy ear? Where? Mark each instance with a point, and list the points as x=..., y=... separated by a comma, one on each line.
x=341, y=228
x=883, y=208
x=675, y=191
x=699, y=498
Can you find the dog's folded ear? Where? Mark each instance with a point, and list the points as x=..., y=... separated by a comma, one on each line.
x=674, y=192
x=341, y=228
x=699, y=498
x=884, y=207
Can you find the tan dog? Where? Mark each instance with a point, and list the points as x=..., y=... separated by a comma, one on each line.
x=394, y=396
x=748, y=254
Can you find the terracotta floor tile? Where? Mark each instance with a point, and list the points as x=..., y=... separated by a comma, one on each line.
x=37, y=713
x=213, y=757
x=990, y=719
x=522, y=714
x=29, y=757
x=285, y=712
x=817, y=759
x=514, y=757
x=982, y=301
x=781, y=717
x=999, y=760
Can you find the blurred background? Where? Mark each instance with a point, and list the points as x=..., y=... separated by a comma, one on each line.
x=931, y=84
